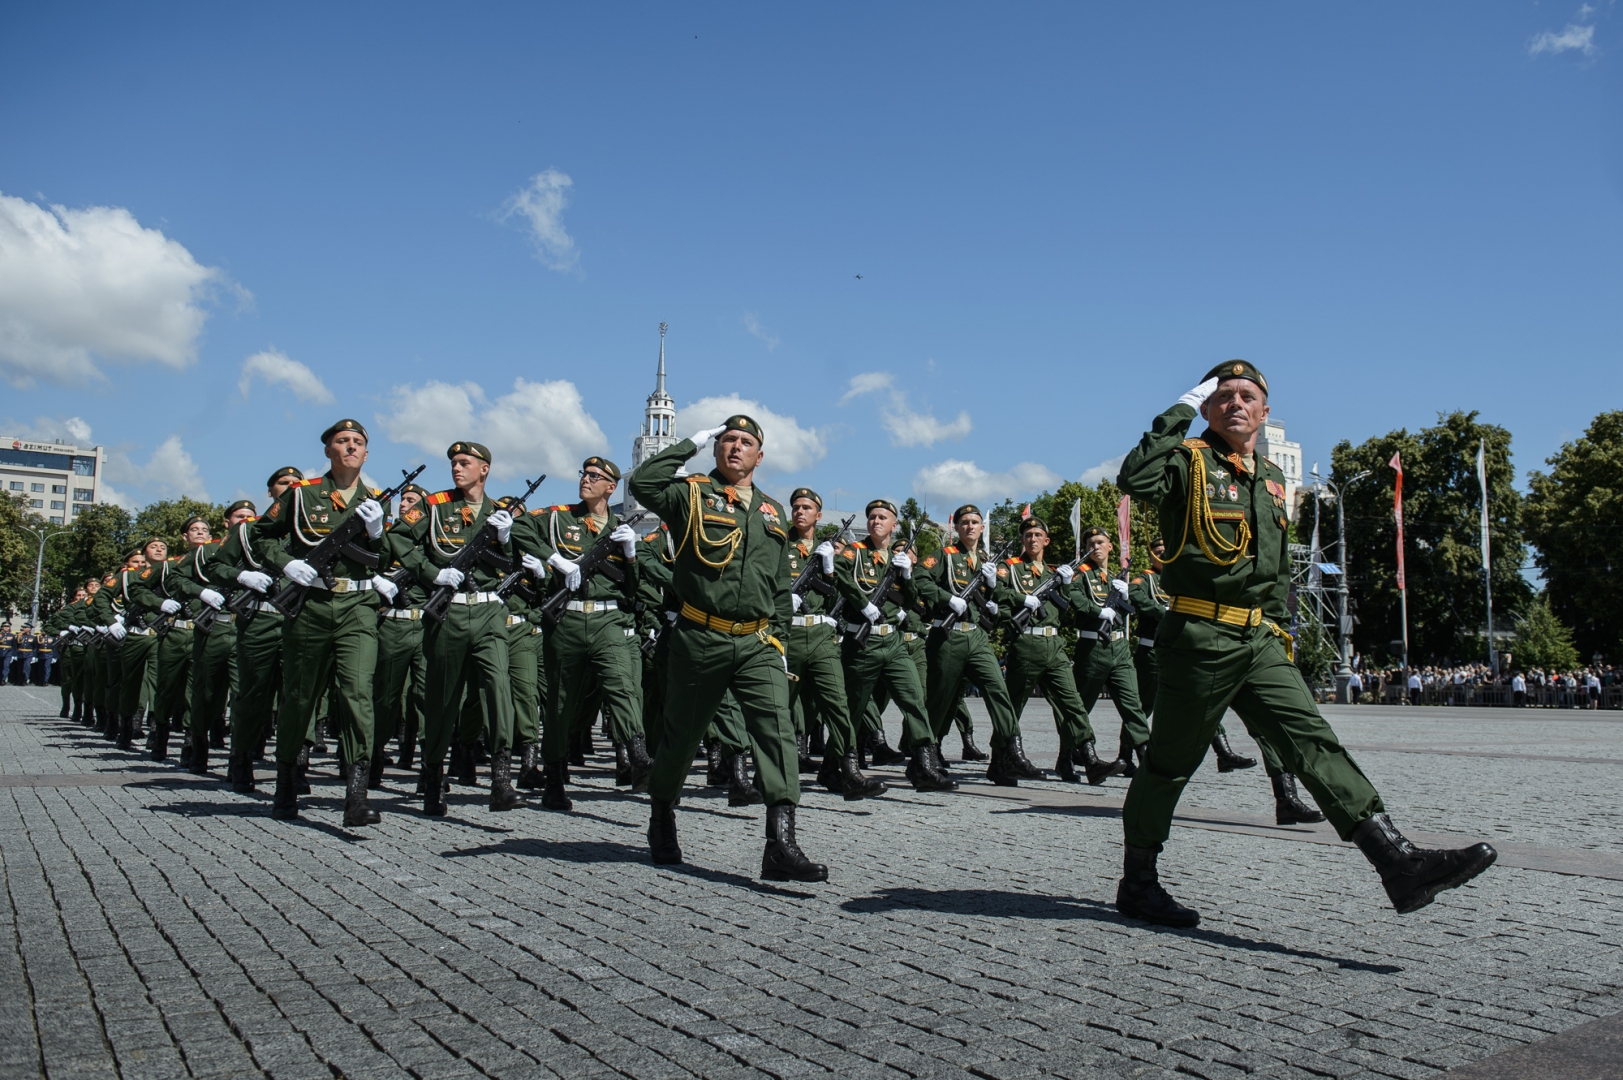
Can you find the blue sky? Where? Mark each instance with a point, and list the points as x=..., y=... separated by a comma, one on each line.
x=469, y=222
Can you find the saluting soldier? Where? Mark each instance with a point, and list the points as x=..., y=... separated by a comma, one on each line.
x=731, y=576
x=1103, y=654
x=1036, y=655
x=467, y=652
x=1220, y=646
x=964, y=654
x=400, y=659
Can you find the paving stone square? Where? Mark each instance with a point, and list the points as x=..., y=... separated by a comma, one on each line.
x=157, y=925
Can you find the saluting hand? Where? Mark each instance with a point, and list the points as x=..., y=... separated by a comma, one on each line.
x=1197, y=397
x=704, y=438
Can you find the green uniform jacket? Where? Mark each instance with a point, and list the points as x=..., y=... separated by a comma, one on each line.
x=1017, y=579
x=151, y=587
x=431, y=534
x=857, y=571
x=944, y=576
x=112, y=600
x=192, y=573
x=1089, y=594
x=812, y=602
x=1239, y=517
x=731, y=562
x=1149, y=602
x=300, y=519
x=656, y=560
x=569, y=531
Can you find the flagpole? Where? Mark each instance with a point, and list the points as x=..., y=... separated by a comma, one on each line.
x=1403, y=585
x=1487, y=572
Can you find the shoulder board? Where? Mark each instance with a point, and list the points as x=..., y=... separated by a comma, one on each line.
x=857, y=545
x=439, y=497
x=696, y=479
x=1014, y=562
x=561, y=506
x=376, y=492
x=307, y=483
x=109, y=581
x=1138, y=581
x=1197, y=444
x=412, y=516
x=951, y=549
x=176, y=558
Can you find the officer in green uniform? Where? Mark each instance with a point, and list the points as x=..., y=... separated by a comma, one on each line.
x=964, y=654
x=64, y=624
x=813, y=652
x=1036, y=655
x=731, y=576
x=336, y=631
x=591, y=650
x=140, y=646
x=524, y=637
x=1104, y=656
x=98, y=619
x=108, y=609
x=400, y=660
x=883, y=658
x=1220, y=646
x=467, y=652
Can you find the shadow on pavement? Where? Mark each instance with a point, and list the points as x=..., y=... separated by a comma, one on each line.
x=592, y=852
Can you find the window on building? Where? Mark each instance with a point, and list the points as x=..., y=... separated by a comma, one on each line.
x=56, y=520
x=58, y=504
x=83, y=494
x=84, y=466
x=76, y=510
x=36, y=487
x=37, y=504
x=16, y=485
x=59, y=489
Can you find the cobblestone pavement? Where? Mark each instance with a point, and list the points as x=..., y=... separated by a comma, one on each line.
x=156, y=925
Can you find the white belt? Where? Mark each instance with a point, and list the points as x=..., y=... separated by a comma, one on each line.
x=180, y=624
x=586, y=607
x=811, y=620
x=910, y=637
x=960, y=626
x=1147, y=641
x=1094, y=635
x=1041, y=631
x=411, y=613
x=879, y=630
x=475, y=598
x=346, y=585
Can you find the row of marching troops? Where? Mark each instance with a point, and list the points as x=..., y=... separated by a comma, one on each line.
x=731, y=626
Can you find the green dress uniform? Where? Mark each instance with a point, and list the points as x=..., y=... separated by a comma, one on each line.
x=1104, y=657
x=468, y=652
x=67, y=659
x=258, y=655
x=213, y=653
x=138, y=654
x=108, y=612
x=73, y=615
x=1036, y=658
x=172, y=697
x=401, y=670
x=963, y=655
x=657, y=609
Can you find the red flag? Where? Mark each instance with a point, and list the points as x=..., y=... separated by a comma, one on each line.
x=1124, y=530
x=1397, y=512
x=1025, y=512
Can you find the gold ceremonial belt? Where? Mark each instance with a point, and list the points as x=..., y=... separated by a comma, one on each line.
x=723, y=626
x=1223, y=613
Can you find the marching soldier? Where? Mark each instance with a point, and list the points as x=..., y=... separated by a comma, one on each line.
x=730, y=575
x=8, y=653
x=213, y=650
x=140, y=646
x=1036, y=656
x=108, y=612
x=964, y=654
x=524, y=636
x=1220, y=646
x=467, y=652
x=64, y=625
x=400, y=660
x=158, y=597
x=1103, y=654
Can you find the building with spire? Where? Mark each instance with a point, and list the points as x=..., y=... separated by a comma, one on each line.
x=658, y=424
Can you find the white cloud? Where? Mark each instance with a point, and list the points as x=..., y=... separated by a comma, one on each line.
x=753, y=325
x=1581, y=38
x=540, y=204
x=169, y=473
x=540, y=427
x=78, y=285
x=275, y=366
x=49, y=429
x=868, y=382
x=953, y=481
x=1105, y=470
x=789, y=447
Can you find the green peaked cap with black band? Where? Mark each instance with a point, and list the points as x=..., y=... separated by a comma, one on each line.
x=806, y=493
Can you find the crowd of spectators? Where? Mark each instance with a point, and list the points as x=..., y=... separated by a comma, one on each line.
x=1596, y=687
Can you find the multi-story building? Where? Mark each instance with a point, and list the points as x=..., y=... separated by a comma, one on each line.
x=1287, y=455
x=58, y=480
x=658, y=430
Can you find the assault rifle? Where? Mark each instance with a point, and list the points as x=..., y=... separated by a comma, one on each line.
x=809, y=578
x=481, y=547
x=974, y=592
x=1048, y=592
x=882, y=591
x=594, y=562
x=340, y=542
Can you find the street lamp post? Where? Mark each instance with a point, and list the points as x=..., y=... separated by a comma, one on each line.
x=45, y=536
x=1343, y=637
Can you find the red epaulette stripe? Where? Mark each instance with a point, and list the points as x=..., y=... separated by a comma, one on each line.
x=1014, y=562
x=306, y=483
x=439, y=497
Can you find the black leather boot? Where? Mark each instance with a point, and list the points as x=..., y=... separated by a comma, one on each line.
x=662, y=843
x=925, y=774
x=1098, y=770
x=1414, y=876
x=716, y=765
x=242, y=776
x=854, y=785
x=1018, y=764
x=301, y=771
x=321, y=736
x=529, y=774
x=479, y=752
x=160, y=742
x=555, y=797
x=63, y=715
x=830, y=775
x=286, y=804
x=100, y=723
x=1065, y=767
x=1129, y=757
x=468, y=768
x=1227, y=759
x=879, y=751
x=1140, y=895
x=741, y=791
x=375, y=767
x=642, y=763
x=200, y=755
x=408, y=747
x=432, y=783
x=807, y=762
x=78, y=712
x=622, y=766
x=137, y=726
x=502, y=795
x=1289, y=809
x=970, y=751
x=357, y=811
x=577, y=747
x=997, y=770
x=186, y=749
x=814, y=740
x=783, y=860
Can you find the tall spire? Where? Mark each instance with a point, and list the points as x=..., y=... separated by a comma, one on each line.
x=659, y=385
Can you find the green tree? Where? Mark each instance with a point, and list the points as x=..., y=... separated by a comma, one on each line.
x=17, y=553
x=1575, y=521
x=1098, y=508
x=1541, y=639
x=915, y=521
x=101, y=535
x=164, y=520
x=1441, y=508
x=1315, y=652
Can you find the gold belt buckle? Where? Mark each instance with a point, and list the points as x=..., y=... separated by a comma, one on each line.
x=738, y=629
x=1256, y=617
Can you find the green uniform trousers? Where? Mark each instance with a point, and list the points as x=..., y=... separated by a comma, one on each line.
x=1041, y=662
x=213, y=656
x=653, y=693
x=140, y=652
x=727, y=727
x=466, y=654
x=523, y=667
x=1207, y=667
x=592, y=664
x=956, y=659
x=259, y=678
x=400, y=649
x=814, y=657
x=73, y=659
x=704, y=665
x=886, y=663
x=174, y=677
x=1149, y=679
x=333, y=643
x=110, y=677
x=88, y=674
x=1101, y=663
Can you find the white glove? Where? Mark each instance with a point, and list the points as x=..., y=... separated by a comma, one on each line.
x=989, y=572
x=626, y=537
x=212, y=599
x=503, y=523
x=301, y=572
x=1032, y=602
x=449, y=576
x=825, y=552
x=870, y=613
x=570, y=570
x=62, y=633
x=117, y=630
x=370, y=512
x=1108, y=616
x=957, y=604
x=169, y=607
x=704, y=438
x=536, y=568
x=991, y=607
x=1066, y=574
x=1119, y=587
x=75, y=628
x=253, y=579
x=795, y=602
x=901, y=617
x=385, y=588
x=903, y=562
x=1197, y=397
